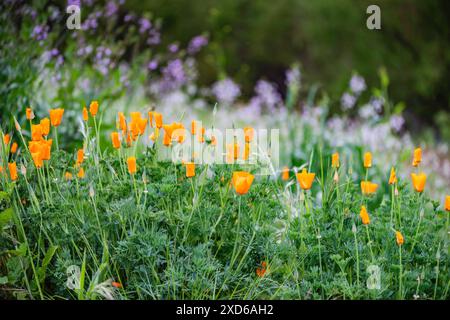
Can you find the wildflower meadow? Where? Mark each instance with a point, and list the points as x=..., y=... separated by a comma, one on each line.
x=122, y=178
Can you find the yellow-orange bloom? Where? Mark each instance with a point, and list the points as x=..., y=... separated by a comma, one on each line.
x=447, y=203
x=305, y=179
x=36, y=132
x=46, y=149
x=14, y=147
x=45, y=126
x=367, y=160
x=399, y=238
x=158, y=120
x=418, y=181
x=56, y=116
x=30, y=114
x=80, y=173
x=249, y=133
x=232, y=152
x=242, y=181
x=93, y=108
x=155, y=135
x=190, y=169
x=68, y=175
x=13, y=171
x=392, y=176
x=150, y=118
x=417, y=159
x=169, y=130
x=6, y=139
x=193, y=127
x=131, y=162
x=368, y=188
x=335, y=160
x=80, y=156
x=115, y=140
x=285, y=174
x=364, y=215
x=246, y=151
x=122, y=122
x=37, y=159
x=85, y=114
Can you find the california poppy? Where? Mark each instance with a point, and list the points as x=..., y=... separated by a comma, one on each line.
x=116, y=284
x=37, y=159
x=150, y=118
x=242, y=181
x=80, y=173
x=36, y=132
x=46, y=148
x=115, y=140
x=122, y=122
x=246, y=151
x=305, y=179
x=80, y=156
x=367, y=160
x=56, y=116
x=193, y=127
x=417, y=158
x=85, y=114
x=418, y=181
x=93, y=108
x=14, y=147
x=447, y=203
x=6, y=139
x=158, y=120
x=260, y=272
x=155, y=135
x=249, y=133
x=29, y=114
x=392, y=176
x=335, y=160
x=368, y=187
x=45, y=126
x=13, y=171
x=364, y=215
x=232, y=152
x=285, y=173
x=131, y=161
x=399, y=238
x=190, y=169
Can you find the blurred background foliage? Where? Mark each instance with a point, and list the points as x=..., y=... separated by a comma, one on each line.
x=262, y=38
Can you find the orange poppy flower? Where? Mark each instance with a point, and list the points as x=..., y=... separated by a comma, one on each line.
x=242, y=181
x=56, y=116
x=80, y=156
x=131, y=162
x=6, y=139
x=364, y=215
x=335, y=160
x=13, y=171
x=392, y=176
x=232, y=152
x=115, y=140
x=85, y=114
x=246, y=151
x=93, y=108
x=46, y=149
x=260, y=272
x=305, y=179
x=367, y=160
x=368, y=188
x=249, y=133
x=37, y=159
x=285, y=174
x=150, y=118
x=418, y=181
x=122, y=122
x=36, y=132
x=45, y=126
x=417, y=158
x=30, y=114
x=201, y=135
x=158, y=120
x=116, y=284
x=68, y=176
x=399, y=238
x=169, y=130
x=190, y=169
x=14, y=147
x=155, y=135
x=80, y=173
x=447, y=203
x=193, y=127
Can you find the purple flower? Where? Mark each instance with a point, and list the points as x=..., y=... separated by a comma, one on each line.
x=267, y=95
x=293, y=76
x=144, y=25
x=74, y=3
x=111, y=9
x=173, y=76
x=347, y=101
x=154, y=37
x=377, y=104
x=226, y=91
x=173, y=47
x=152, y=65
x=40, y=32
x=357, y=84
x=397, y=122
x=197, y=43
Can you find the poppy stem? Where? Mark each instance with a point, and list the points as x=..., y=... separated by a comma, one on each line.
x=400, y=273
